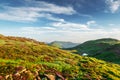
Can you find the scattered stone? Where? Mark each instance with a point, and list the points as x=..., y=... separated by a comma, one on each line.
x=38, y=78
x=1, y=78
x=60, y=76
x=50, y=77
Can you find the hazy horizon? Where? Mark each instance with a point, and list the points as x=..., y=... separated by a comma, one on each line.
x=74, y=20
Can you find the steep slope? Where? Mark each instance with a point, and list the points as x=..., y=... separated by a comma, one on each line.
x=62, y=44
x=106, y=49
x=27, y=59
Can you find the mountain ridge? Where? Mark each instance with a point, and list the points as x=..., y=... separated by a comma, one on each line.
x=63, y=44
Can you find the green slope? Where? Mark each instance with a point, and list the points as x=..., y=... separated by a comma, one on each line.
x=106, y=49
x=27, y=59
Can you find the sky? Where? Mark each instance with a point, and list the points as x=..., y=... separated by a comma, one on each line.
x=60, y=20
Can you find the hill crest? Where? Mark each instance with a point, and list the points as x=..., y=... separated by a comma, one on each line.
x=106, y=49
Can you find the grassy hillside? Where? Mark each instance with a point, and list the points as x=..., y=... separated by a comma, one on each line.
x=106, y=49
x=27, y=59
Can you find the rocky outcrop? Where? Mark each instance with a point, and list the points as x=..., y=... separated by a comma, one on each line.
x=50, y=76
x=22, y=73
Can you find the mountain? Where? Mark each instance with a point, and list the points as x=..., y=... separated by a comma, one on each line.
x=28, y=59
x=63, y=44
x=107, y=49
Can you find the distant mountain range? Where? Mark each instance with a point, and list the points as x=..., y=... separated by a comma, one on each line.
x=28, y=59
x=63, y=44
x=107, y=49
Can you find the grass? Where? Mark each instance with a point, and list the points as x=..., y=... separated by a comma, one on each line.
x=38, y=57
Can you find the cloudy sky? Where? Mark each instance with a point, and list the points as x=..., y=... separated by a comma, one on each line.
x=62, y=20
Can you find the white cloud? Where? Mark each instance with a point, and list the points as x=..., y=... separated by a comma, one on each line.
x=32, y=13
x=49, y=35
x=91, y=35
x=70, y=26
x=113, y=5
x=91, y=22
x=74, y=34
x=37, y=29
x=111, y=24
x=52, y=8
x=62, y=26
x=75, y=26
x=19, y=15
x=85, y=15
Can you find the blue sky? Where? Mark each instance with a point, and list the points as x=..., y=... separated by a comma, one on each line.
x=62, y=20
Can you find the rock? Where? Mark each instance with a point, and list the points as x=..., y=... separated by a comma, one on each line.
x=6, y=77
x=20, y=69
x=16, y=76
x=36, y=73
x=10, y=77
x=1, y=78
x=60, y=76
x=50, y=77
x=38, y=78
